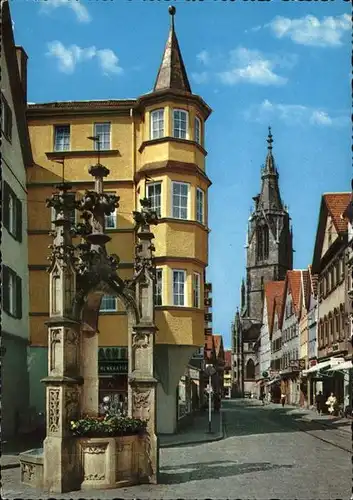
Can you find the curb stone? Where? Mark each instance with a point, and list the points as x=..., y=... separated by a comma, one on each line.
x=218, y=437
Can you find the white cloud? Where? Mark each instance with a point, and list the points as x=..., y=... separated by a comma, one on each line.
x=109, y=61
x=69, y=57
x=251, y=66
x=293, y=114
x=309, y=30
x=203, y=57
x=200, y=77
x=81, y=11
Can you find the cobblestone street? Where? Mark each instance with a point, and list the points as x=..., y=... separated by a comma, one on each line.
x=265, y=454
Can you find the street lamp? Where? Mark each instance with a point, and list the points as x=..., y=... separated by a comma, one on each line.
x=210, y=370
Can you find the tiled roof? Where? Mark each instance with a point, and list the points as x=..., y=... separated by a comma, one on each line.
x=228, y=358
x=336, y=204
x=305, y=289
x=294, y=282
x=218, y=341
x=273, y=290
x=96, y=103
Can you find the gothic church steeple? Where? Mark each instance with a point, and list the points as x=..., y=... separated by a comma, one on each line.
x=270, y=198
x=172, y=73
x=269, y=252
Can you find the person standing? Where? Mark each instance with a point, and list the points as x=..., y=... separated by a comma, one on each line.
x=283, y=399
x=319, y=401
x=331, y=403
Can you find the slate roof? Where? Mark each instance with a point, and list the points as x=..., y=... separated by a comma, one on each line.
x=172, y=72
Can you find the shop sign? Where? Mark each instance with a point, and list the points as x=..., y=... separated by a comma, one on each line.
x=111, y=362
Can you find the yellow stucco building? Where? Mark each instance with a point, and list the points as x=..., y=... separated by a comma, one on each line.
x=152, y=145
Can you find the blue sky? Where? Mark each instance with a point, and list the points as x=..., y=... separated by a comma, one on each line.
x=280, y=63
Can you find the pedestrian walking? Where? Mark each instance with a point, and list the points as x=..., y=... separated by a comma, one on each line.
x=283, y=399
x=331, y=403
x=319, y=401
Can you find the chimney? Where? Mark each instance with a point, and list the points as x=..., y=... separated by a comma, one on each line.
x=22, y=68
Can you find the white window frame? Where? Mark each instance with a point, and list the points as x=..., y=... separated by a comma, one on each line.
x=197, y=130
x=178, y=132
x=182, y=297
x=159, y=286
x=179, y=207
x=108, y=298
x=53, y=216
x=157, y=116
x=111, y=218
x=200, y=212
x=196, y=290
x=96, y=133
x=152, y=197
x=65, y=142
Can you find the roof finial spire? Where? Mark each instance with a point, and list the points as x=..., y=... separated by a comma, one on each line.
x=172, y=11
x=269, y=139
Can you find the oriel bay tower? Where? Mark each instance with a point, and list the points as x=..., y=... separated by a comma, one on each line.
x=152, y=145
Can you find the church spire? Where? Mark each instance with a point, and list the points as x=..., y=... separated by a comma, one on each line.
x=270, y=198
x=172, y=73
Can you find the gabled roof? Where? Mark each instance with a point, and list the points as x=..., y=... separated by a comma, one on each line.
x=273, y=289
x=304, y=289
x=336, y=204
x=292, y=285
x=333, y=204
x=218, y=343
x=18, y=97
x=228, y=358
x=313, y=281
x=172, y=72
x=273, y=293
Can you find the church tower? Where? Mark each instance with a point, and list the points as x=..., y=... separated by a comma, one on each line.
x=269, y=240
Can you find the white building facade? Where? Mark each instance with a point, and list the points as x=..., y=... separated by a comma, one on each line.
x=16, y=157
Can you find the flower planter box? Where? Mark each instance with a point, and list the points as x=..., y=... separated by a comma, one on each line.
x=111, y=462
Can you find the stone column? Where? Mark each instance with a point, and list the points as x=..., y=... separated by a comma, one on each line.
x=143, y=383
x=63, y=382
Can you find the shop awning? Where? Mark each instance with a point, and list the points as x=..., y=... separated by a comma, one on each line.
x=325, y=364
x=347, y=365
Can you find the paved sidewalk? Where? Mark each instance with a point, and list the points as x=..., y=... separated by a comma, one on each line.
x=196, y=432
x=339, y=424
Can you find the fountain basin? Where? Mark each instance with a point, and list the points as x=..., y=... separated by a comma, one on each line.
x=31, y=463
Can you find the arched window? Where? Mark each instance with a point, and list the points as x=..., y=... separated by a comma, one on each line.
x=250, y=369
x=336, y=325
x=262, y=242
x=266, y=241
x=342, y=326
x=321, y=332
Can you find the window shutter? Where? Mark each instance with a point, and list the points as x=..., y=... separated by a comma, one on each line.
x=18, y=220
x=5, y=205
x=5, y=288
x=9, y=122
x=18, y=297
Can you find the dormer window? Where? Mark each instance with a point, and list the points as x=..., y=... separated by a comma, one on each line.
x=180, y=124
x=157, y=124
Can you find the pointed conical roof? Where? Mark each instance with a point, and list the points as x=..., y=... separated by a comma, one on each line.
x=270, y=198
x=172, y=72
